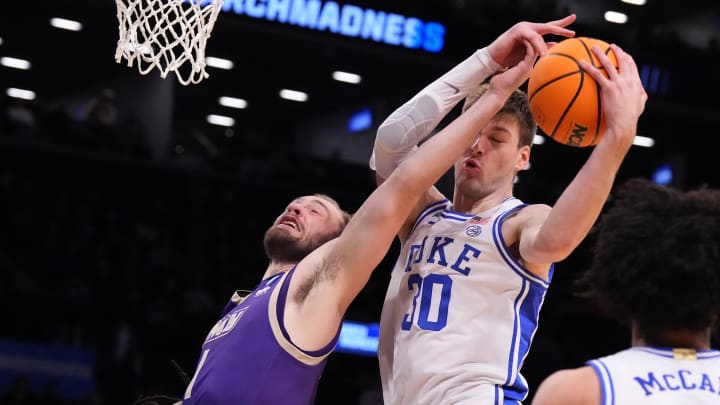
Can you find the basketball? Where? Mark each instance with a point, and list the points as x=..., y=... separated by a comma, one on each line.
x=564, y=99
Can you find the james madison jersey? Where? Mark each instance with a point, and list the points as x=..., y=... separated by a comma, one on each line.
x=248, y=358
x=659, y=376
x=460, y=312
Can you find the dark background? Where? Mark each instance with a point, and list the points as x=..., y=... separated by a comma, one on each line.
x=126, y=239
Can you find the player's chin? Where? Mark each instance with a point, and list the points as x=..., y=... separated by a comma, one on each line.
x=285, y=232
x=470, y=185
x=470, y=177
x=287, y=228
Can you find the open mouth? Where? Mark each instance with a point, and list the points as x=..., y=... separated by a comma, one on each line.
x=289, y=222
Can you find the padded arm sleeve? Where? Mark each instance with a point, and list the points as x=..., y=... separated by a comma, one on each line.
x=414, y=121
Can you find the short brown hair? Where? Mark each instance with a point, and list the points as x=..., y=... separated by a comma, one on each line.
x=517, y=105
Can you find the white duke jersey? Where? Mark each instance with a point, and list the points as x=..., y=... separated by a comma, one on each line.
x=460, y=312
x=659, y=376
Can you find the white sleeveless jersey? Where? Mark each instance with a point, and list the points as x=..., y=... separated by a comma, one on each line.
x=659, y=376
x=459, y=314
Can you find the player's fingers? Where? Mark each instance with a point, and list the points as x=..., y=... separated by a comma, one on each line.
x=530, y=55
x=545, y=29
x=565, y=21
x=605, y=61
x=535, y=42
x=626, y=63
x=556, y=27
x=593, y=71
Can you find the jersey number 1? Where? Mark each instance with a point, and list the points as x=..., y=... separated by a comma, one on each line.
x=188, y=392
x=434, y=293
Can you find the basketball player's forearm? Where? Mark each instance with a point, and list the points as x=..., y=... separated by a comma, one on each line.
x=399, y=134
x=369, y=233
x=579, y=206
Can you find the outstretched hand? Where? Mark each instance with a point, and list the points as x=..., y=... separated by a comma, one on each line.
x=511, y=46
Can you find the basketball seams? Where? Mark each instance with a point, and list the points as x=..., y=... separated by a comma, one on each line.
x=549, y=82
x=570, y=104
x=565, y=103
x=585, y=46
x=598, y=104
x=577, y=92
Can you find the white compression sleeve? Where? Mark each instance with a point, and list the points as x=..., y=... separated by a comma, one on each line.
x=400, y=133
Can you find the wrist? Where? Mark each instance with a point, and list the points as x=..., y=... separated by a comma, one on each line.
x=500, y=93
x=489, y=64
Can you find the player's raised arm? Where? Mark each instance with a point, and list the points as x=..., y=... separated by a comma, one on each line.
x=372, y=229
x=580, y=204
x=400, y=133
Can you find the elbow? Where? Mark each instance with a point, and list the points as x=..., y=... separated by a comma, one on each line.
x=560, y=251
x=549, y=250
x=390, y=136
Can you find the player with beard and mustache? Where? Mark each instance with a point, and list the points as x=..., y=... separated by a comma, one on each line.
x=464, y=298
x=270, y=346
x=283, y=246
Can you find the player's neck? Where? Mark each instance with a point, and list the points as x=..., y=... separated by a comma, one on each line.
x=472, y=205
x=673, y=338
x=277, y=267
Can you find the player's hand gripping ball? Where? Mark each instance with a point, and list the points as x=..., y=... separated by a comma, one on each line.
x=564, y=99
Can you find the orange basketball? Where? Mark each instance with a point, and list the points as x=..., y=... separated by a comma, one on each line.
x=564, y=99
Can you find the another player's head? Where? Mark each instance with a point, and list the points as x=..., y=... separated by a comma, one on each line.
x=656, y=259
x=502, y=147
x=307, y=223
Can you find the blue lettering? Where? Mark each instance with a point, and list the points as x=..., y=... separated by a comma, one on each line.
x=439, y=248
x=683, y=382
x=413, y=33
x=351, y=20
x=329, y=17
x=431, y=280
x=393, y=29
x=413, y=280
x=412, y=257
x=373, y=25
x=434, y=37
x=254, y=9
x=347, y=19
x=305, y=14
x=706, y=384
x=464, y=258
x=667, y=383
x=235, y=5
x=652, y=382
x=278, y=9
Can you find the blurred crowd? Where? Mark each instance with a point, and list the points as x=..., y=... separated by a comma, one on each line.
x=106, y=249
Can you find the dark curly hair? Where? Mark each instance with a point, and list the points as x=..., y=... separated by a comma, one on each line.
x=656, y=258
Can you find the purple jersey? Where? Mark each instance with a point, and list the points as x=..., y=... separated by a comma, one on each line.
x=248, y=358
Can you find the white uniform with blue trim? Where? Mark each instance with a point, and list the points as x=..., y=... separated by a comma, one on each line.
x=460, y=312
x=659, y=376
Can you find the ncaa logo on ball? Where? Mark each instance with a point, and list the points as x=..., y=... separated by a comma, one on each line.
x=577, y=134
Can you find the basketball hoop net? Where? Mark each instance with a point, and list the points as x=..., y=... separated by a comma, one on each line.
x=169, y=35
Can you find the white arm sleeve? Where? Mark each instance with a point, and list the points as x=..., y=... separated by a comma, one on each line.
x=400, y=133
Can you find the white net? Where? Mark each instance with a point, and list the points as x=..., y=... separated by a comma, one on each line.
x=169, y=35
